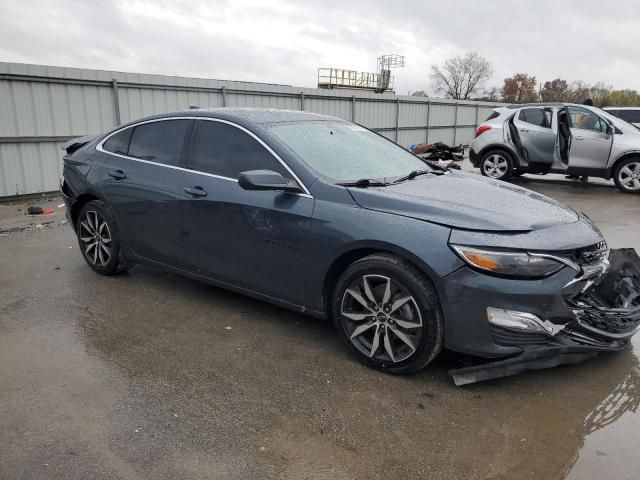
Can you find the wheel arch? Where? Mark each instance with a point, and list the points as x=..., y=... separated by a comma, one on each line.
x=612, y=168
x=505, y=148
x=80, y=201
x=361, y=250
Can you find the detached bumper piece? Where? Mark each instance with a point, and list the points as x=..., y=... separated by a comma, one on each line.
x=604, y=313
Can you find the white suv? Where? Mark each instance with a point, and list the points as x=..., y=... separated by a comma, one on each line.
x=575, y=140
x=629, y=114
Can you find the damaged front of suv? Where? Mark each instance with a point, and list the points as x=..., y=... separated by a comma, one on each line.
x=540, y=307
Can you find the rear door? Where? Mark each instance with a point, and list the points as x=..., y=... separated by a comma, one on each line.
x=253, y=239
x=591, y=144
x=537, y=138
x=142, y=184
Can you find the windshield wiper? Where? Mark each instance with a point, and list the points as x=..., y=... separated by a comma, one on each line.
x=412, y=175
x=364, y=183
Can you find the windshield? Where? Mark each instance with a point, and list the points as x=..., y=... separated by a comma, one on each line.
x=343, y=151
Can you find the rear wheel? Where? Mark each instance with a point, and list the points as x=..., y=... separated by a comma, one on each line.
x=627, y=175
x=388, y=314
x=497, y=164
x=98, y=240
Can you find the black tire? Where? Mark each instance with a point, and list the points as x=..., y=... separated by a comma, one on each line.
x=423, y=308
x=96, y=227
x=624, y=172
x=491, y=165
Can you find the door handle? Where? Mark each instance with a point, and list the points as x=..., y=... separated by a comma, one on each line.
x=579, y=138
x=118, y=174
x=195, y=191
x=524, y=130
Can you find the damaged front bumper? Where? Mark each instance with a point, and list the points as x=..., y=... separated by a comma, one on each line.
x=603, y=305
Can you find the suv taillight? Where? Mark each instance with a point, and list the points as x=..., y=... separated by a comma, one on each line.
x=481, y=129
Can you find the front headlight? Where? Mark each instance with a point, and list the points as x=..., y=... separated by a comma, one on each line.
x=513, y=264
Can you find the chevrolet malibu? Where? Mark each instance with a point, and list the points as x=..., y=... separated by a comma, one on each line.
x=330, y=219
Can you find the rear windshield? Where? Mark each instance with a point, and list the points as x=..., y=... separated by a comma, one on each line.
x=344, y=151
x=493, y=115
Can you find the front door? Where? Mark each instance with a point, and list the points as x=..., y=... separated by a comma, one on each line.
x=252, y=239
x=591, y=140
x=141, y=183
x=537, y=137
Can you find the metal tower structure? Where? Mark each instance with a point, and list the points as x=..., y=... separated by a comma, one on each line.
x=385, y=64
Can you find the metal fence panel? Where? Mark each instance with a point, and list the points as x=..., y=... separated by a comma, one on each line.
x=43, y=106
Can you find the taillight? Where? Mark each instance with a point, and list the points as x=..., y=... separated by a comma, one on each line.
x=481, y=129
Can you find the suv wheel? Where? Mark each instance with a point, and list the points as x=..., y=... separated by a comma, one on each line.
x=627, y=175
x=388, y=314
x=497, y=164
x=98, y=240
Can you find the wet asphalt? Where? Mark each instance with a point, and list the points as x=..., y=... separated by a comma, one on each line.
x=150, y=375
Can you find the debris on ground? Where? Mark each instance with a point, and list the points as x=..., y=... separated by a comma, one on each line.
x=35, y=210
x=438, y=151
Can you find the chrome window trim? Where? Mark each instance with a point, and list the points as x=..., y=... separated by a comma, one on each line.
x=100, y=148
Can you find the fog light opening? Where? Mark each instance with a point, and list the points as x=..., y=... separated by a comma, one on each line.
x=521, y=321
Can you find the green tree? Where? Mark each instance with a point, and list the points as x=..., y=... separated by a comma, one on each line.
x=624, y=98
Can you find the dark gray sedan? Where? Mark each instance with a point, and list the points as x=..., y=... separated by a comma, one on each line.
x=328, y=218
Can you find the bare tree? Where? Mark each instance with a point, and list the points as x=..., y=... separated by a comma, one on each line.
x=461, y=77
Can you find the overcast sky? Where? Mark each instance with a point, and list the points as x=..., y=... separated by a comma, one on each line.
x=279, y=41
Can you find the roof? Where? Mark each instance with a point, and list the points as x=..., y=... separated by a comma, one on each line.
x=258, y=116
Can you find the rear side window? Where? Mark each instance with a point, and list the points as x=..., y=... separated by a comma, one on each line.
x=159, y=142
x=225, y=150
x=119, y=143
x=535, y=116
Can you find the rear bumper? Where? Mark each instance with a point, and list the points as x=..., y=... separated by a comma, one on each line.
x=592, y=313
x=474, y=157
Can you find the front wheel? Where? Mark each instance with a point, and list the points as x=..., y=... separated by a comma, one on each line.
x=497, y=164
x=388, y=314
x=627, y=175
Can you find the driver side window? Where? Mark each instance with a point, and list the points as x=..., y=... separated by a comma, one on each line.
x=225, y=150
x=584, y=119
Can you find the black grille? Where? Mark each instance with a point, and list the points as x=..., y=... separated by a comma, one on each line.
x=589, y=309
x=594, y=254
x=502, y=336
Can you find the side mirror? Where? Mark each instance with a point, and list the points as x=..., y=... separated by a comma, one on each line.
x=266, y=180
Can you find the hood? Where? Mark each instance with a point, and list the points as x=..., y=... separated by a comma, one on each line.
x=467, y=201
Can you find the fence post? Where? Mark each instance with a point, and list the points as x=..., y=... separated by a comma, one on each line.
x=477, y=114
x=302, y=101
x=455, y=125
x=224, y=96
x=397, y=117
x=428, y=119
x=116, y=100
x=353, y=108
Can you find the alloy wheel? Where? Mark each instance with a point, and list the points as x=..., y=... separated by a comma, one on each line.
x=96, y=238
x=629, y=176
x=495, y=166
x=381, y=318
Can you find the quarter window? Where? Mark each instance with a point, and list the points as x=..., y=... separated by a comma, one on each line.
x=160, y=141
x=119, y=142
x=227, y=151
x=584, y=119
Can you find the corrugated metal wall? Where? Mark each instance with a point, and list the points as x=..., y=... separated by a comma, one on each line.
x=41, y=107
